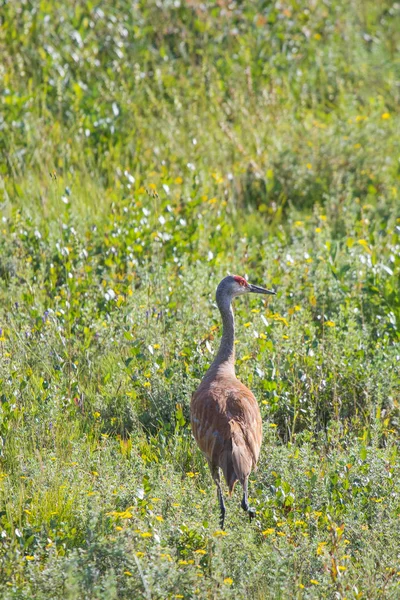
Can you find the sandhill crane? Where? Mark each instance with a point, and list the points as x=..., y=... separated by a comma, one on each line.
x=225, y=417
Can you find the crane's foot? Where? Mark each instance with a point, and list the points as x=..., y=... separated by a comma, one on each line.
x=245, y=505
x=252, y=513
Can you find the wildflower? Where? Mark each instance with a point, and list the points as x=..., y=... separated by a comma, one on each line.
x=314, y=581
x=167, y=556
x=228, y=581
x=269, y=531
x=320, y=548
x=219, y=532
x=146, y=534
x=385, y=116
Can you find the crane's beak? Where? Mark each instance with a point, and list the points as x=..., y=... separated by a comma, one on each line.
x=256, y=289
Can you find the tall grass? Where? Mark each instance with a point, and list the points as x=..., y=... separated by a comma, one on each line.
x=147, y=149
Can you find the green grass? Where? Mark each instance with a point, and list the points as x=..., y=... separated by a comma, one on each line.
x=147, y=149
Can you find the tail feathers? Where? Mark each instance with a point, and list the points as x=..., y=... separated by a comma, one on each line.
x=242, y=458
x=226, y=464
x=236, y=460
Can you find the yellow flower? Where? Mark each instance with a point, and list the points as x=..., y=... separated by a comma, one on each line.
x=139, y=554
x=320, y=548
x=146, y=534
x=269, y=531
x=309, y=166
x=167, y=556
x=314, y=581
x=219, y=532
x=125, y=514
x=329, y=323
x=30, y=557
x=159, y=518
x=178, y=180
x=96, y=415
x=200, y=551
x=385, y=115
x=364, y=244
x=128, y=573
x=228, y=581
x=190, y=474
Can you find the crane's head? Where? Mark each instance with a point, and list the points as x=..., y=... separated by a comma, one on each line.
x=234, y=285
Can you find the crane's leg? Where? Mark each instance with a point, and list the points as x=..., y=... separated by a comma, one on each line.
x=216, y=477
x=245, y=503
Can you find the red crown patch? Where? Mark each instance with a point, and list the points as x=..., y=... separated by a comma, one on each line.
x=240, y=280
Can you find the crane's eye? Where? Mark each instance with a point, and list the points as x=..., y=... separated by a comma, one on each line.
x=241, y=281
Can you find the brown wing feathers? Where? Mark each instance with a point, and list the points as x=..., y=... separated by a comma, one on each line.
x=227, y=427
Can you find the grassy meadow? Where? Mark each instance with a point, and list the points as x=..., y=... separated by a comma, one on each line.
x=148, y=148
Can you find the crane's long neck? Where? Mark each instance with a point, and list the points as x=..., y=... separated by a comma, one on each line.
x=225, y=359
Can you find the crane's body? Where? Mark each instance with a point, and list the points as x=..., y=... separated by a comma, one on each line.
x=225, y=417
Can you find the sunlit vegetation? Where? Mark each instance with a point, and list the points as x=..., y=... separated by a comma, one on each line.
x=148, y=149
